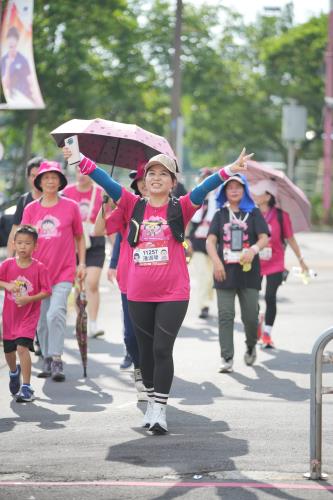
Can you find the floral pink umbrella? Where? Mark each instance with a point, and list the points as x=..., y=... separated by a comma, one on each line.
x=289, y=197
x=113, y=143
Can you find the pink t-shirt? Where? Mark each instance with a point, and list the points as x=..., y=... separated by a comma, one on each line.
x=83, y=199
x=22, y=321
x=116, y=223
x=57, y=227
x=157, y=270
x=274, y=261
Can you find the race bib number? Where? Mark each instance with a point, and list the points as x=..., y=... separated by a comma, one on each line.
x=266, y=253
x=231, y=257
x=151, y=253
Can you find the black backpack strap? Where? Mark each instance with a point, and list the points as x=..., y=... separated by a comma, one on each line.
x=136, y=221
x=280, y=219
x=176, y=219
x=174, y=216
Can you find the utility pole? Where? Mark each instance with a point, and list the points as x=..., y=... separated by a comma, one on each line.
x=176, y=118
x=328, y=120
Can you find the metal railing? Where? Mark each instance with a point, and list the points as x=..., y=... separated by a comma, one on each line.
x=317, y=390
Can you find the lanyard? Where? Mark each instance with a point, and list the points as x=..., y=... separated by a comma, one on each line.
x=232, y=217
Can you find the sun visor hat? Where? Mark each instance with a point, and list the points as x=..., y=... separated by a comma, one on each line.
x=264, y=186
x=164, y=160
x=236, y=178
x=50, y=166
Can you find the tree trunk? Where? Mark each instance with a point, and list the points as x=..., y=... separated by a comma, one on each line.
x=32, y=120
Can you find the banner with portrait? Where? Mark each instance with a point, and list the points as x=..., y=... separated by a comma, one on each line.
x=17, y=66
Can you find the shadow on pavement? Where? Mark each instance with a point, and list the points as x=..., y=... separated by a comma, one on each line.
x=203, y=393
x=78, y=395
x=33, y=412
x=191, y=437
x=267, y=383
x=287, y=361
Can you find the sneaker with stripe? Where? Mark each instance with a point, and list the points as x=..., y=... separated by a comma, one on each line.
x=158, y=419
x=150, y=407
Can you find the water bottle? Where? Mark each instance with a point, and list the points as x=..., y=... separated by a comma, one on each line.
x=304, y=276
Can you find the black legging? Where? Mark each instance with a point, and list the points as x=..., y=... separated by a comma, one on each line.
x=273, y=281
x=156, y=325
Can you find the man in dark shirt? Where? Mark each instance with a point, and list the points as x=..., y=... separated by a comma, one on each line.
x=34, y=194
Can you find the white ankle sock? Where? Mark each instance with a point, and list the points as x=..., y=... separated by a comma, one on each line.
x=268, y=329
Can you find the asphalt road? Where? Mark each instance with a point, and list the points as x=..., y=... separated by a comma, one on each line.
x=243, y=435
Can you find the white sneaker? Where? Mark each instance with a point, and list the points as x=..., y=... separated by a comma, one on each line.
x=158, y=419
x=250, y=356
x=226, y=366
x=148, y=415
x=141, y=390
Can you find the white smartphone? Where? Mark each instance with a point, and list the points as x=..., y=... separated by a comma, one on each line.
x=73, y=144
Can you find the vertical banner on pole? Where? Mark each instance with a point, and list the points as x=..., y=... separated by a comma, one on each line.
x=18, y=73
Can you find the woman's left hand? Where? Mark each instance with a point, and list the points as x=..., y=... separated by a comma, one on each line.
x=304, y=267
x=240, y=165
x=81, y=272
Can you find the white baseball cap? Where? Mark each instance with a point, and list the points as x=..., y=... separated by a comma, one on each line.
x=264, y=186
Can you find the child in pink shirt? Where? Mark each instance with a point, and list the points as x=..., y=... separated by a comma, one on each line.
x=26, y=283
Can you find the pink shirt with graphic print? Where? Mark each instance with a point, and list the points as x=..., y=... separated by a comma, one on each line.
x=57, y=227
x=276, y=263
x=22, y=321
x=83, y=199
x=167, y=281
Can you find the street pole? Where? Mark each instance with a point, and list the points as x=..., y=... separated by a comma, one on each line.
x=176, y=118
x=328, y=120
x=291, y=160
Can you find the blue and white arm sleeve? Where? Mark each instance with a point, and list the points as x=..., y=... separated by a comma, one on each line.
x=112, y=187
x=199, y=193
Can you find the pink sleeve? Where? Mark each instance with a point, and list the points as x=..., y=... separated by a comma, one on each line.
x=188, y=208
x=287, y=226
x=126, y=203
x=3, y=271
x=26, y=216
x=44, y=280
x=77, y=222
x=116, y=222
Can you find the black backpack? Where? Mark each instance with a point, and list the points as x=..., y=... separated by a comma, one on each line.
x=174, y=217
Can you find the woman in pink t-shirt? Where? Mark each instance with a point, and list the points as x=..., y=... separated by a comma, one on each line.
x=58, y=223
x=158, y=284
x=272, y=257
x=90, y=197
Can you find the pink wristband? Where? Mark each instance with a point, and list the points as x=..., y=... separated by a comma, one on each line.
x=87, y=166
x=223, y=174
x=255, y=248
